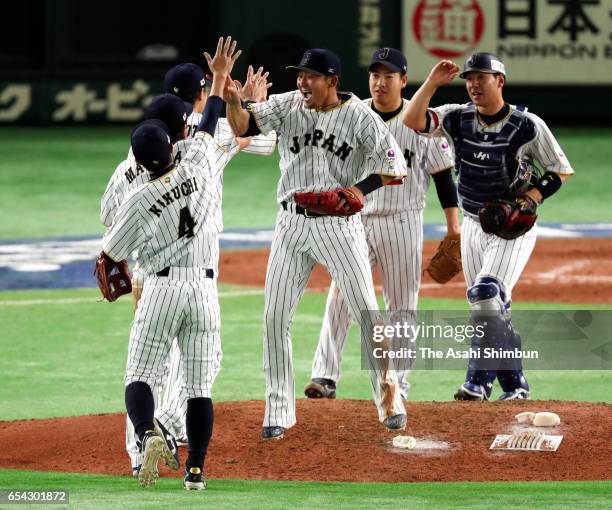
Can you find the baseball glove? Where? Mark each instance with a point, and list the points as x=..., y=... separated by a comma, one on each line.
x=508, y=217
x=446, y=263
x=114, y=278
x=327, y=203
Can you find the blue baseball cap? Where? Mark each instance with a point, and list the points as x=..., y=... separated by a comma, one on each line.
x=319, y=61
x=391, y=58
x=151, y=144
x=483, y=62
x=185, y=81
x=172, y=110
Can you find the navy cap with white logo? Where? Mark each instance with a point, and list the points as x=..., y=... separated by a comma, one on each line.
x=391, y=58
x=483, y=62
x=172, y=110
x=151, y=144
x=319, y=61
x=185, y=81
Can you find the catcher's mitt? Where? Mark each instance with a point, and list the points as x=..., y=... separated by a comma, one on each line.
x=446, y=263
x=327, y=203
x=114, y=278
x=508, y=217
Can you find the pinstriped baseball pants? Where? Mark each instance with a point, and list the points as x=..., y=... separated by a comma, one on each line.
x=170, y=404
x=339, y=244
x=488, y=255
x=188, y=309
x=395, y=244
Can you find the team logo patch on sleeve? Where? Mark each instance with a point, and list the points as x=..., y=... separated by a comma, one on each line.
x=391, y=158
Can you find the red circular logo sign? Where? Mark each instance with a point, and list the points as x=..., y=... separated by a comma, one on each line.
x=448, y=28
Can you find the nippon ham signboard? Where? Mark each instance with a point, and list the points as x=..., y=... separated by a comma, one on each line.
x=540, y=41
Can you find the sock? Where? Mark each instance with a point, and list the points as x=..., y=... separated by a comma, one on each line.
x=199, y=422
x=140, y=406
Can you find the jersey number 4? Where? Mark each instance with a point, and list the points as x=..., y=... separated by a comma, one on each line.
x=186, y=223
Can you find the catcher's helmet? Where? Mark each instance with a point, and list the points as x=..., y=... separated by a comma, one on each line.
x=484, y=63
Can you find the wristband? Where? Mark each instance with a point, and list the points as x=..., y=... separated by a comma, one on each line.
x=370, y=183
x=548, y=185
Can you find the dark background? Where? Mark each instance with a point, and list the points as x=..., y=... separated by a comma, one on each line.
x=54, y=42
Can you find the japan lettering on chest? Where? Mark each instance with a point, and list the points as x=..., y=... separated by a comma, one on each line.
x=323, y=141
x=408, y=156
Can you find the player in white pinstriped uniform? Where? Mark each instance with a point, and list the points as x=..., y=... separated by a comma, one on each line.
x=494, y=138
x=393, y=221
x=328, y=140
x=172, y=221
x=186, y=81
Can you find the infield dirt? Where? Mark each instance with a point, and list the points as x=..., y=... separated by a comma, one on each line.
x=338, y=440
x=561, y=271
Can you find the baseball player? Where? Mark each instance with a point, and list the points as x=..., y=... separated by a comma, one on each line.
x=185, y=82
x=327, y=140
x=393, y=222
x=492, y=141
x=171, y=221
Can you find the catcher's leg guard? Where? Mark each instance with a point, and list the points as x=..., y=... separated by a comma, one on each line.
x=487, y=301
x=512, y=380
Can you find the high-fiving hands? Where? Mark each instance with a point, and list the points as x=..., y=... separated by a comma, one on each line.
x=256, y=86
x=225, y=56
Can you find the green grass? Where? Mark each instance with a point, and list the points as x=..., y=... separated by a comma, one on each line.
x=53, y=178
x=102, y=492
x=64, y=358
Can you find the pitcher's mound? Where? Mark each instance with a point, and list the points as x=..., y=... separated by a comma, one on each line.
x=339, y=440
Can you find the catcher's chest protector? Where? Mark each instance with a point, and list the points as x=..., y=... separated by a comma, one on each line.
x=486, y=161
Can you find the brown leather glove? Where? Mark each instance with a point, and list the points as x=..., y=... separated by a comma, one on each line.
x=114, y=278
x=327, y=203
x=446, y=263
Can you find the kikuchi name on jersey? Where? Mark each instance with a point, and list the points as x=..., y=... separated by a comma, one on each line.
x=184, y=189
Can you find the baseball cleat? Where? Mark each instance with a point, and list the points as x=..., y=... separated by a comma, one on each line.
x=194, y=479
x=170, y=455
x=471, y=391
x=396, y=422
x=182, y=441
x=517, y=394
x=135, y=470
x=153, y=447
x=268, y=433
x=320, y=387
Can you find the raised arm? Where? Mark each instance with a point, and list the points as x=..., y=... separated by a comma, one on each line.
x=221, y=65
x=237, y=117
x=255, y=89
x=443, y=73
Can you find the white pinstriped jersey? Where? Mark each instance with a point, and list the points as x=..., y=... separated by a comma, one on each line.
x=170, y=220
x=424, y=157
x=544, y=148
x=327, y=150
x=129, y=175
